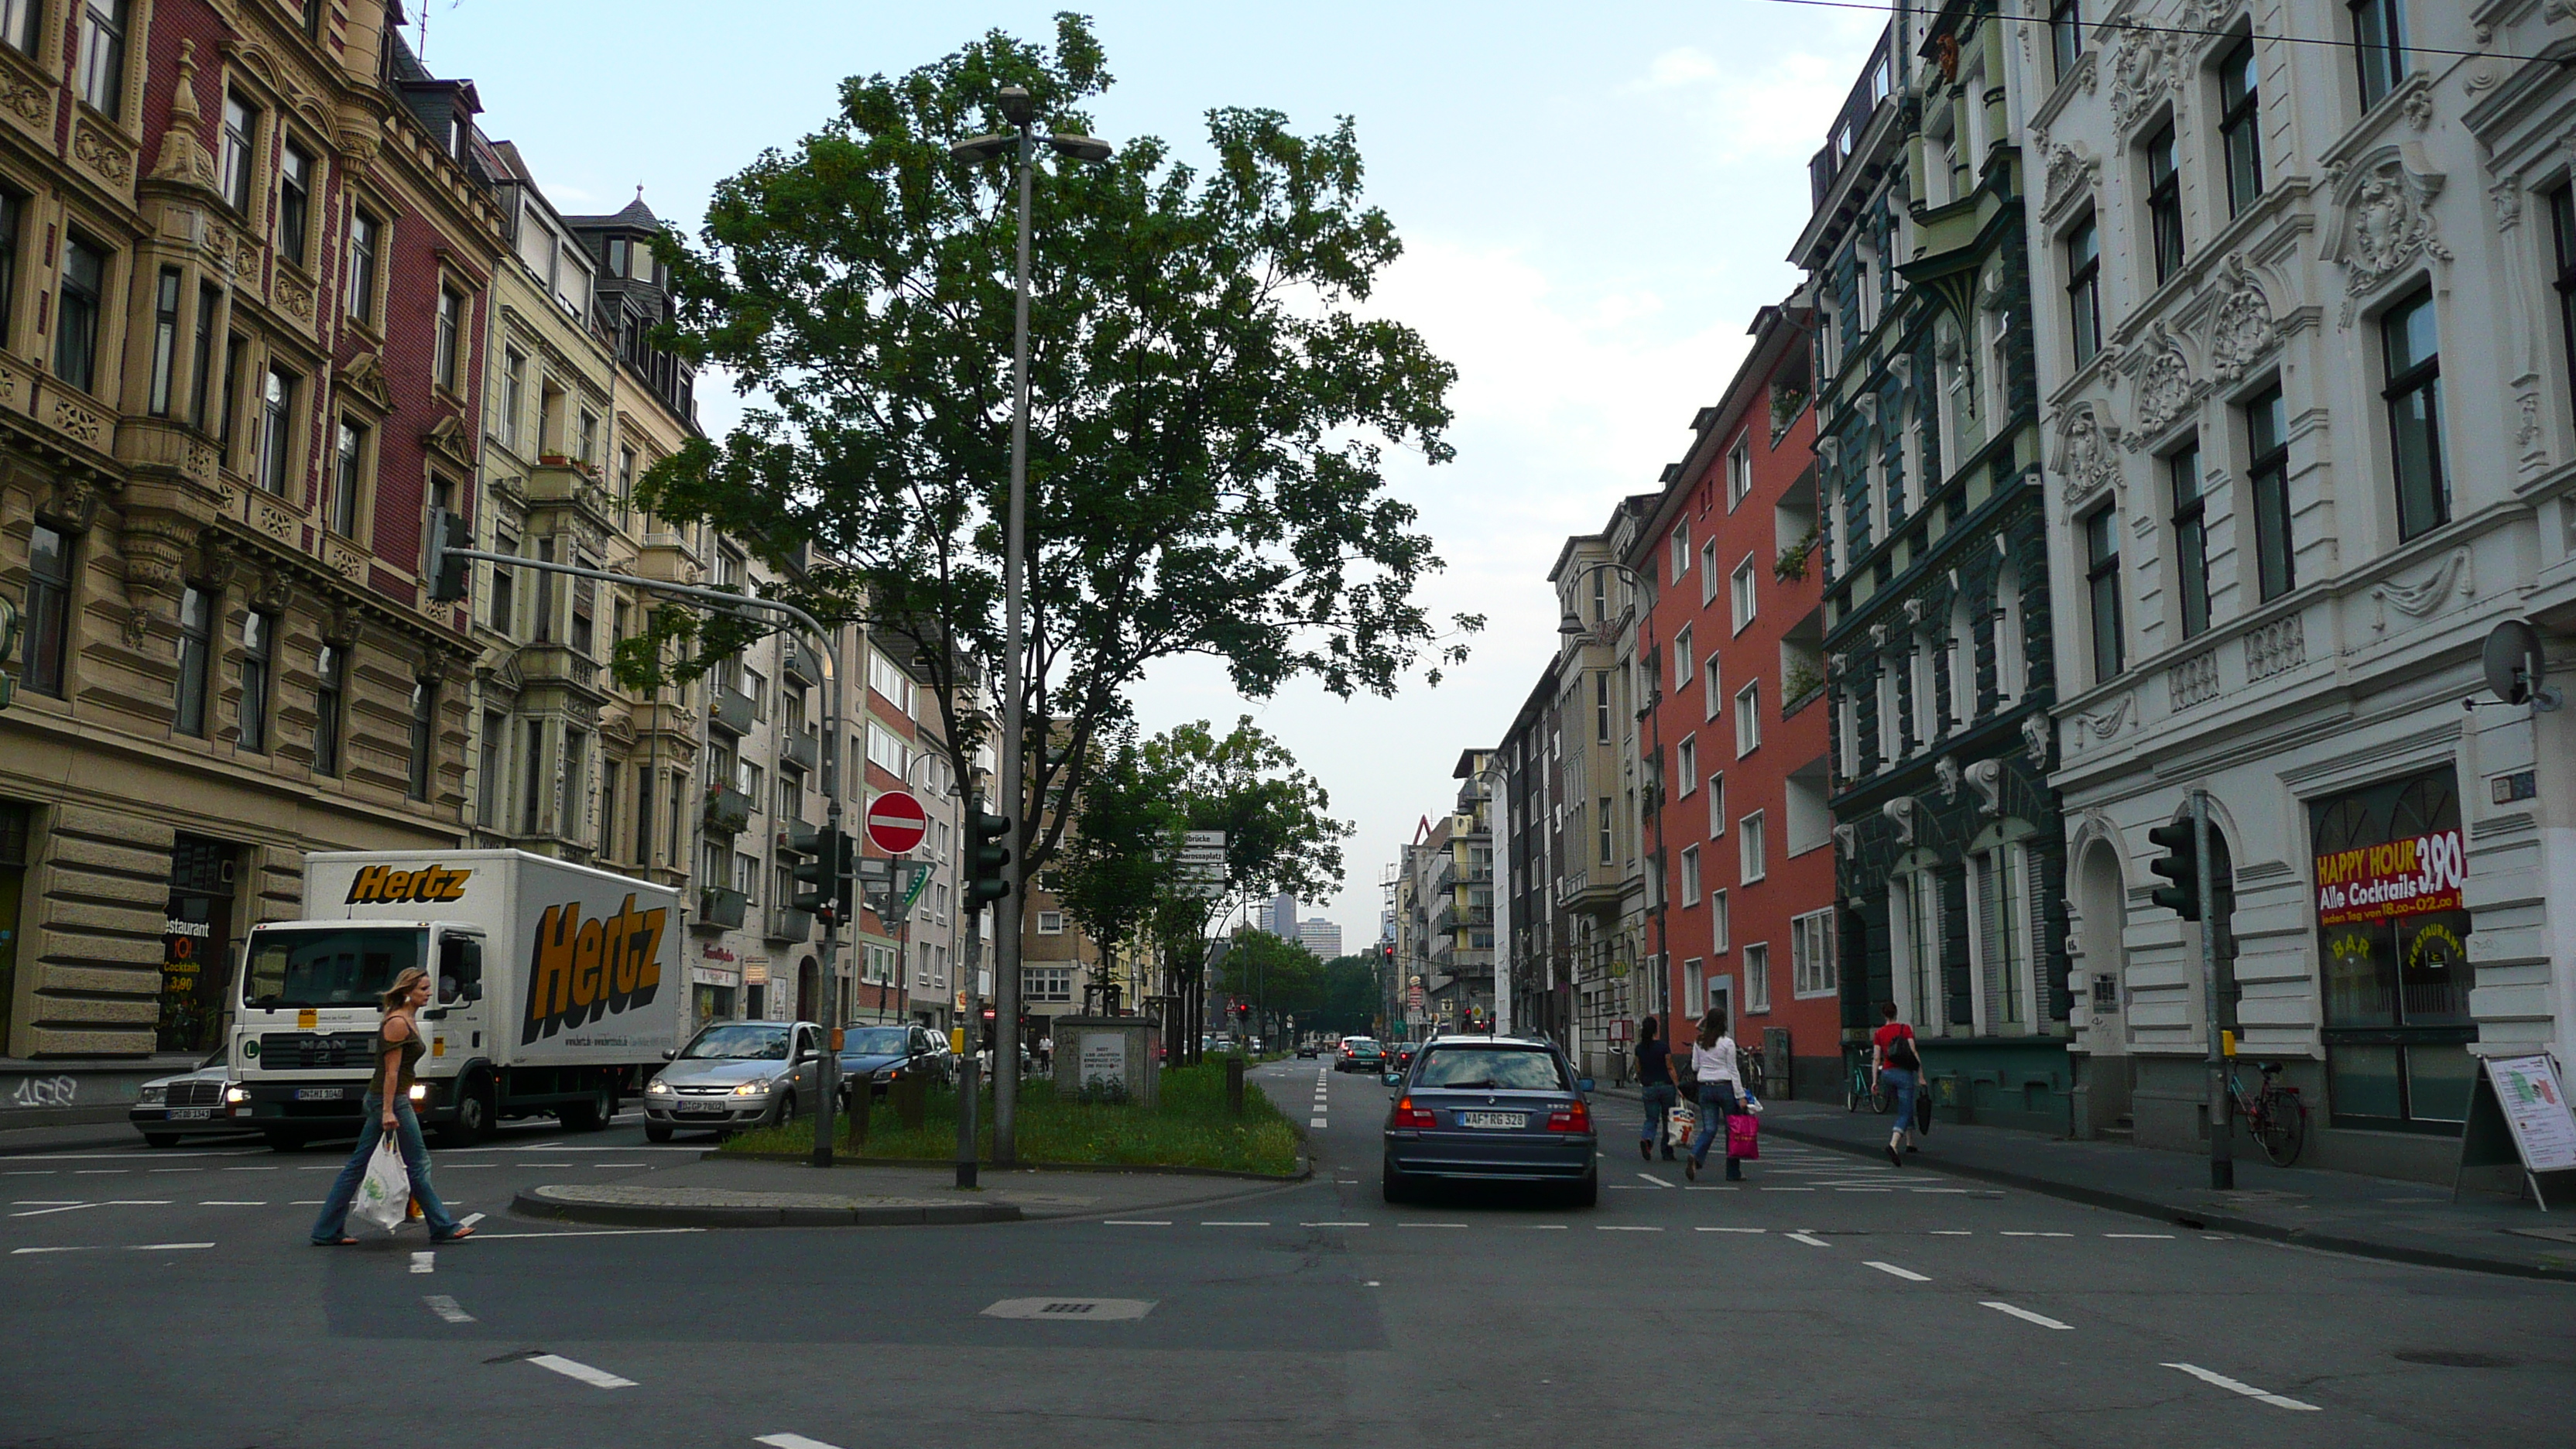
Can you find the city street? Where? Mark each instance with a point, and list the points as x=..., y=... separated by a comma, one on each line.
x=168, y=1298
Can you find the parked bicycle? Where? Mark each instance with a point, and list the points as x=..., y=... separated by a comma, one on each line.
x=2276, y=1116
x=1748, y=1066
x=1862, y=1089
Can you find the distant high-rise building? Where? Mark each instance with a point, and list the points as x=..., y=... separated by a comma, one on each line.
x=1282, y=917
x=1320, y=936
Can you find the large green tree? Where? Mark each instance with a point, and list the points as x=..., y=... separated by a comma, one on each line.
x=1352, y=992
x=1209, y=409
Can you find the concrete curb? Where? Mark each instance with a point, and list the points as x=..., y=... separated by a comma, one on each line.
x=2196, y=1218
x=533, y=1203
x=1305, y=1166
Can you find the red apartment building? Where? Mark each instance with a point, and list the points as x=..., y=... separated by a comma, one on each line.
x=1741, y=831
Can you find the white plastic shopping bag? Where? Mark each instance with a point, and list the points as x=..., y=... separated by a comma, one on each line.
x=384, y=1194
x=1680, y=1123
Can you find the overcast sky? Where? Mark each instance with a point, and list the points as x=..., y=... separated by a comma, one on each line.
x=1593, y=198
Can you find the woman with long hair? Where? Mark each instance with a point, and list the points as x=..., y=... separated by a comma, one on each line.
x=388, y=1113
x=1656, y=1088
x=1713, y=1066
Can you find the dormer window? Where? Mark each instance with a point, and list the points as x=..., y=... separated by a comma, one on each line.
x=617, y=246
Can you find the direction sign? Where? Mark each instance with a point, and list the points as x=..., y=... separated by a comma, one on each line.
x=896, y=822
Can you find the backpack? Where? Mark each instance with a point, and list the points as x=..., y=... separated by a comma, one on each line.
x=1900, y=1054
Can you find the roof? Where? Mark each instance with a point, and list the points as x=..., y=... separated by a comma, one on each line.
x=636, y=214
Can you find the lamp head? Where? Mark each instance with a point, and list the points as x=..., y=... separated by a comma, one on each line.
x=1080, y=148
x=981, y=148
x=1570, y=625
x=1017, y=108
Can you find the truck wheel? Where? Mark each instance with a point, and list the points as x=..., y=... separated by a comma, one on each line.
x=593, y=1115
x=656, y=1132
x=473, y=1118
x=160, y=1139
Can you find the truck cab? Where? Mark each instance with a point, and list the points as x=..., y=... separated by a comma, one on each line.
x=305, y=1035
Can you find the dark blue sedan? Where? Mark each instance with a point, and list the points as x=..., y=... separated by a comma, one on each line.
x=880, y=1055
x=1493, y=1110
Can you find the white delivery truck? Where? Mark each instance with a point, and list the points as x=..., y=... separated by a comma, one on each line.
x=554, y=989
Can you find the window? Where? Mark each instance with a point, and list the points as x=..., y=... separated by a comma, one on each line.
x=1707, y=572
x=514, y=394
x=1717, y=922
x=424, y=719
x=1811, y=955
x=1604, y=829
x=609, y=770
x=294, y=202
x=1690, y=876
x=532, y=776
x=2267, y=434
x=2102, y=589
x=102, y=57
x=625, y=482
x=2379, y=46
x=259, y=658
x=2065, y=34
x=487, y=798
x=347, y=457
x=1739, y=473
x=585, y=610
x=570, y=782
x=1716, y=806
x=276, y=429
x=2004, y=948
x=234, y=347
x=1050, y=923
x=1748, y=719
x=2239, y=126
x=2395, y=967
x=1046, y=983
x=365, y=236
x=1601, y=707
x=1757, y=976
x=165, y=339
x=644, y=813
x=196, y=656
x=503, y=595
x=84, y=292
x=241, y=130
x=13, y=211
x=21, y=27
x=2414, y=396
x=545, y=601
x=451, y=321
x=890, y=682
x=49, y=608
x=201, y=368
x=588, y=437
x=2084, y=290
x=2164, y=202
x=2191, y=538
x=1686, y=763
x=1681, y=549
x=1741, y=593
x=1681, y=658
x=2562, y=238
x=1712, y=693
x=1749, y=848
x=886, y=750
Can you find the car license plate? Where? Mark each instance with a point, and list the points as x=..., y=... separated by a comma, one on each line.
x=1493, y=1119
x=701, y=1111
x=317, y=1094
x=188, y=1114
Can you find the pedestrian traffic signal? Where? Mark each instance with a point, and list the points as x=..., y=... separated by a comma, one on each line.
x=445, y=571
x=2179, y=865
x=826, y=878
x=985, y=857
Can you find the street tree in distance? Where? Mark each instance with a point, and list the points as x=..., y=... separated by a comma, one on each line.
x=1273, y=975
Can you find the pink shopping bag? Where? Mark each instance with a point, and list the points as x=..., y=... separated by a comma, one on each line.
x=1743, y=1136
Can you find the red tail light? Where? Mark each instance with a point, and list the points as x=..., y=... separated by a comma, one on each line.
x=1572, y=1117
x=1409, y=1115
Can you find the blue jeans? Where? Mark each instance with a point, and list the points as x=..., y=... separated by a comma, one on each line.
x=334, y=1220
x=1716, y=1104
x=1659, y=1099
x=1904, y=1085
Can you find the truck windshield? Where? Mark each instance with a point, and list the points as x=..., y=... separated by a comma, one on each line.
x=739, y=1042
x=876, y=1041
x=346, y=967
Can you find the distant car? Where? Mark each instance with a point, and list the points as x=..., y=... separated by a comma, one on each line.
x=1403, y=1055
x=1491, y=1109
x=1307, y=1049
x=169, y=1108
x=1360, y=1054
x=880, y=1055
x=732, y=1075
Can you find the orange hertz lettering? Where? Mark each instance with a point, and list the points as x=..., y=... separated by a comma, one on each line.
x=581, y=969
x=382, y=885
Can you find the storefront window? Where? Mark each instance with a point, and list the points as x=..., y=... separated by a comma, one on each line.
x=196, y=945
x=2392, y=940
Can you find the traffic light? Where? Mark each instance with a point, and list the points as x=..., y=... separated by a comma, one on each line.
x=2180, y=865
x=446, y=572
x=824, y=879
x=985, y=857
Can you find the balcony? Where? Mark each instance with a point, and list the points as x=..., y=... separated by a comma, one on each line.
x=721, y=908
x=803, y=751
x=796, y=660
x=789, y=925
x=730, y=711
x=561, y=482
x=547, y=663
x=798, y=837
x=728, y=810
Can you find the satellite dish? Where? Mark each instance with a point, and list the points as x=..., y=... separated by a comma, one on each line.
x=2513, y=665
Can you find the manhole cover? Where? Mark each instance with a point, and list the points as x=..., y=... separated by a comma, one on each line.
x=1072, y=1310
x=2451, y=1358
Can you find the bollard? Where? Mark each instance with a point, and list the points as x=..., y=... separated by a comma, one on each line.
x=1234, y=1085
x=908, y=1094
x=861, y=1104
x=966, y=1128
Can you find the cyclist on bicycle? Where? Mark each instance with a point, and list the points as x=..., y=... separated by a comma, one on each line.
x=1900, y=1070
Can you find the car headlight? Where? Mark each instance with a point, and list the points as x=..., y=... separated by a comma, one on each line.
x=420, y=1091
x=152, y=1096
x=752, y=1089
x=657, y=1088
x=236, y=1094
x=887, y=1074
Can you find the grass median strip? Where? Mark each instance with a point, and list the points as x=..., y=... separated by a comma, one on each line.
x=1188, y=1126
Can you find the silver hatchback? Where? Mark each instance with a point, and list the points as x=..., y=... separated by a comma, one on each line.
x=732, y=1075
x=1494, y=1110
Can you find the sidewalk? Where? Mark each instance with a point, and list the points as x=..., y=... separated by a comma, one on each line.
x=2406, y=1222
x=746, y=1194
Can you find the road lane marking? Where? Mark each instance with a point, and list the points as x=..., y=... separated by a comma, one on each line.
x=1953, y=1233
x=1657, y=1181
x=587, y=1233
x=1615, y=1228
x=46, y=1202
x=1332, y=1225
x=469, y=1220
x=22, y=1252
x=1548, y=1227
x=1431, y=1225
x=102, y=1172
x=2027, y=1316
x=1314, y=1121
x=166, y=1247
x=2143, y=1237
x=792, y=1441
x=596, y=1378
x=2248, y=1390
x=445, y=1307
x=229, y=1202
x=615, y=1164
x=1137, y=1223
x=138, y=1202
x=424, y=1262
x=71, y=1207
x=1811, y=1240
x=1893, y=1271
x=1730, y=1230
x=1230, y=1224
x=1788, y=1189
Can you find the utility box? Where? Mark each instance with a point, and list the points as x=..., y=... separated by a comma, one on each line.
x=1127, y=1050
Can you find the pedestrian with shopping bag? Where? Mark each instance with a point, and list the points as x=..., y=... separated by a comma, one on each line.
x=386, y=1184
x=1713, y=1067
x=1900, y=1072
x=1656, y=1087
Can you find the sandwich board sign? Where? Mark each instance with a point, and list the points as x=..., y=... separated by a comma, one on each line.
x=2518, y=1116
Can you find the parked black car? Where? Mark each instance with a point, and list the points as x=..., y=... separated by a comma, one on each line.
x=881, y=1053
x=1491, y=1109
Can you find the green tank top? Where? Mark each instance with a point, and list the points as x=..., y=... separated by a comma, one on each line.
x=413, y=1048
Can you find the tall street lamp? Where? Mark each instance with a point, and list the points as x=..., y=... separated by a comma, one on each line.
x=1019, y=110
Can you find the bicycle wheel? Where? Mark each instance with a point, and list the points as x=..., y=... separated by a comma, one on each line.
x=1882, y=1099
x=2283, y=1127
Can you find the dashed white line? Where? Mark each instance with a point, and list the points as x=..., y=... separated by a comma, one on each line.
x=469, y=1220
x=1332, y=1225
x=167, y=1247
x=587, y=1233
x=1315, y=1122
x=2143, y=1237
x=1137, y=1223
x=1657, y=1181
x=596, y=1378
x=229, y=1202
x=1431, y=1225
x=1893, y=1271
x=424, y=1262
x=1234, y=1225
x=1953, y=1233
x=2026, y=1316
x=71, y=1207
x=2277, y=1401
x=792, y=1441
x=1730, y=1230
x=1617, y=1228
x=1810, y=1239
x=22, y=1252
x=445, y=1307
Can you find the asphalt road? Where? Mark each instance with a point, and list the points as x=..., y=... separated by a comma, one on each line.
x=168, y=1299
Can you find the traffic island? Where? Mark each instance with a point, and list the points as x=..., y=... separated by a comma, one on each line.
x=716, y=1207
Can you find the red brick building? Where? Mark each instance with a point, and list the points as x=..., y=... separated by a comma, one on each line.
x=1740, y=834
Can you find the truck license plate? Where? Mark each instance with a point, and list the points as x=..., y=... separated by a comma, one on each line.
x=317, y=1094
x=188, y=1114
x=1493, y=1119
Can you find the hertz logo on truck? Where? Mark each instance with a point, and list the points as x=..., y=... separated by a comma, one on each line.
x=581, y=969
x=379, y=885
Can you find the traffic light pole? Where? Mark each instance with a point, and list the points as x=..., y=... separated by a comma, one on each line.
x=827, y=1070
x=2222, y=1131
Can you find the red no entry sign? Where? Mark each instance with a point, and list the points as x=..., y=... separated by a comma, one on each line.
x=896, y=822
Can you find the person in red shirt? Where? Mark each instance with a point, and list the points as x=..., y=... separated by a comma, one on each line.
x=1900, y=1071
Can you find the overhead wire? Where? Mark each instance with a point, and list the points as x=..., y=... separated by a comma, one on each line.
x=2101, y=26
